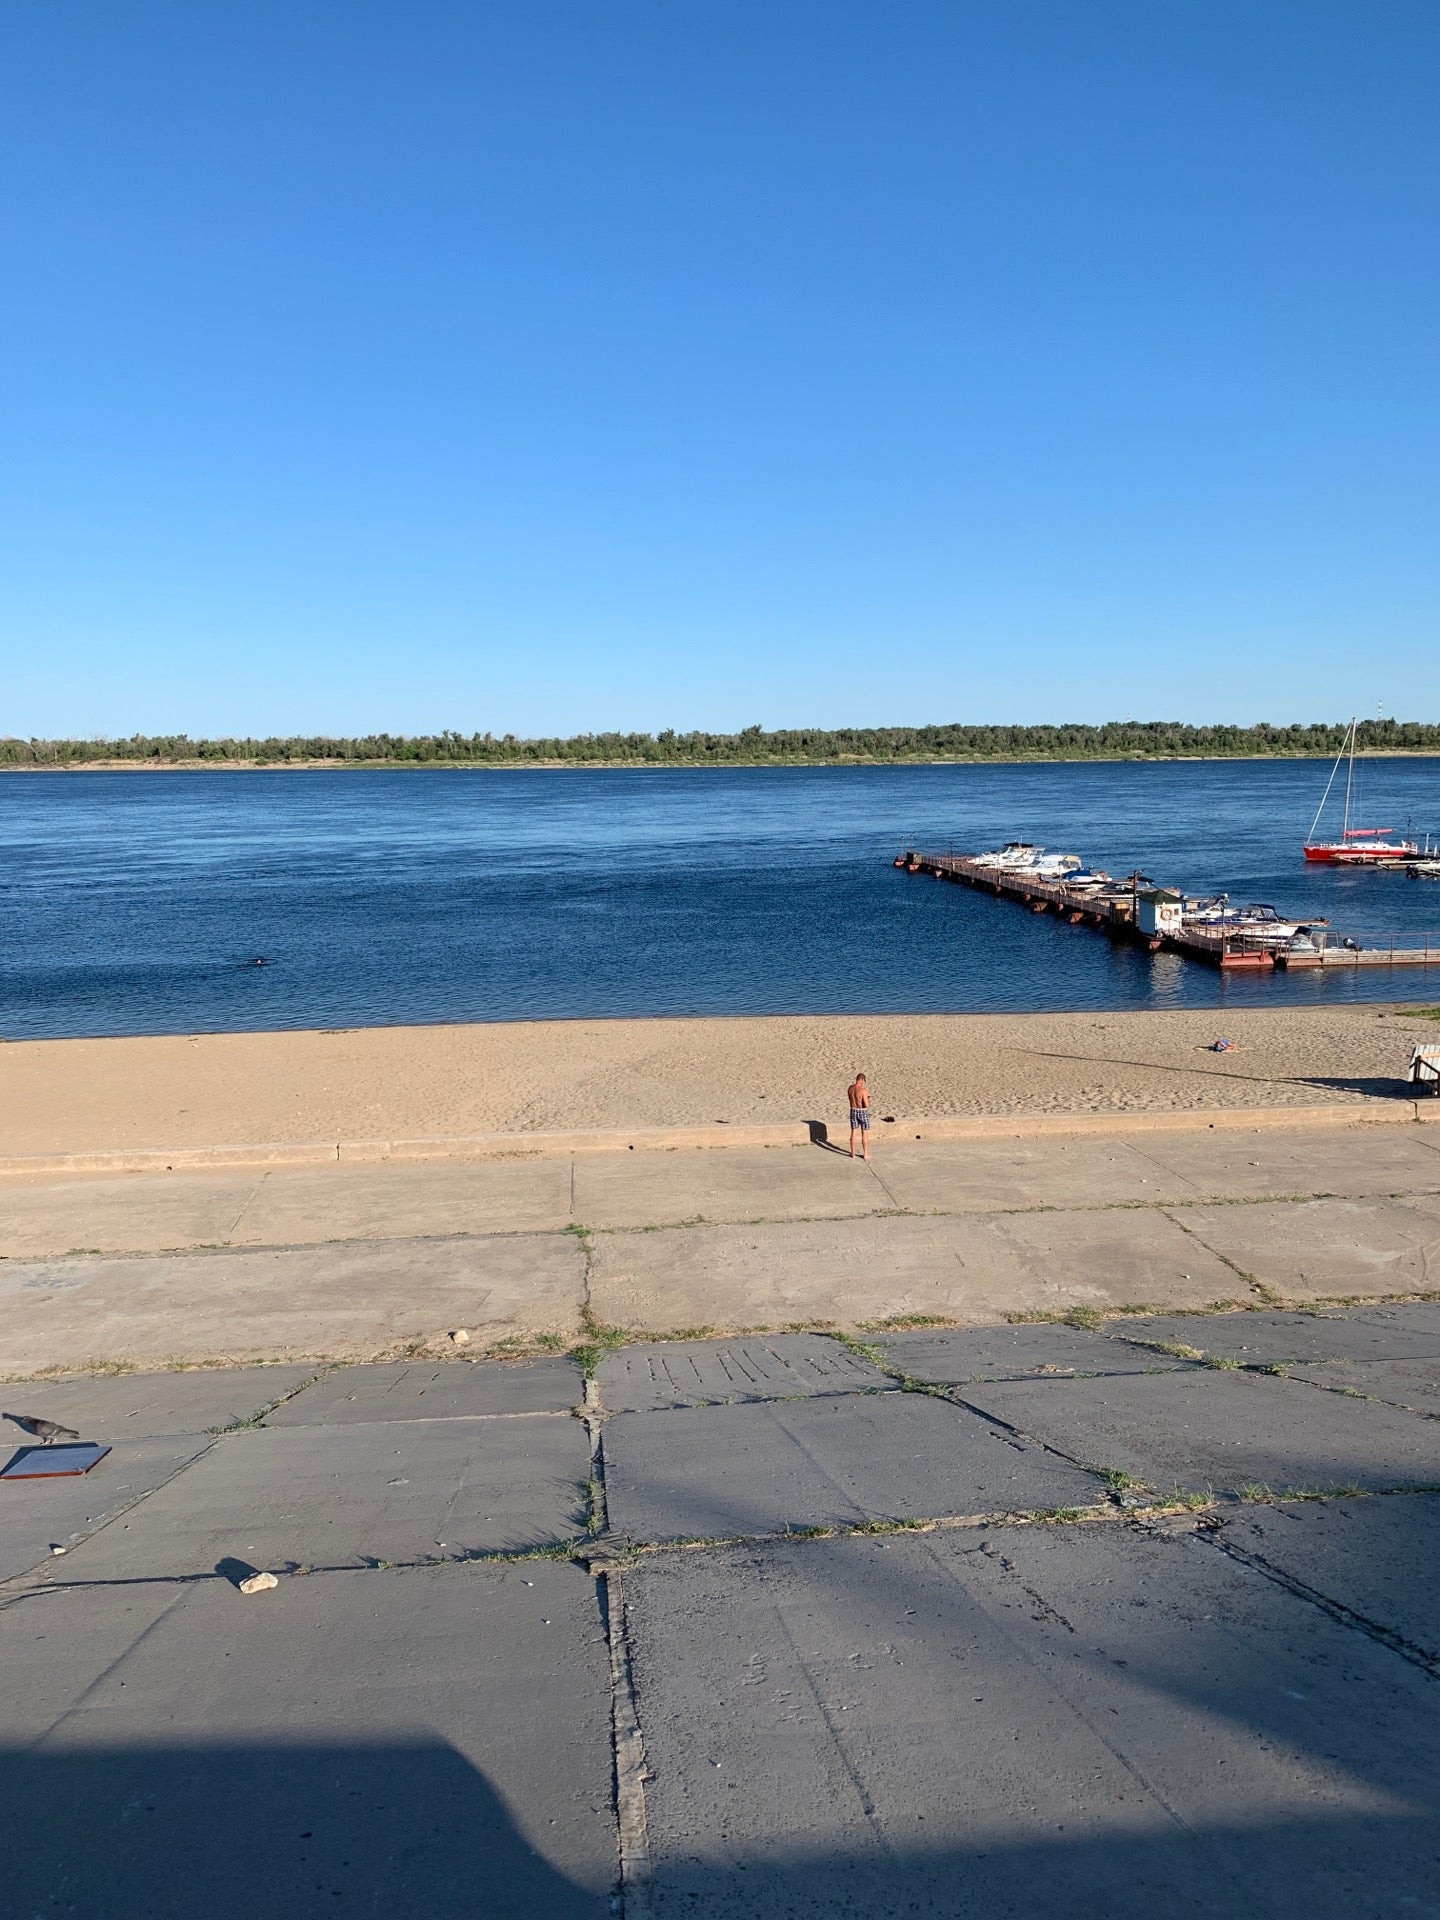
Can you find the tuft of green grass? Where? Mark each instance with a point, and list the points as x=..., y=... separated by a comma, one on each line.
x=868, y=1351
x=517, y=1346
x=262, y=1414
x=596, y=1341
x=1087, y=1318
x=1315, y=1493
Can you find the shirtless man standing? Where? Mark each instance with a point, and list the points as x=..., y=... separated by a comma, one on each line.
x=860, y=1115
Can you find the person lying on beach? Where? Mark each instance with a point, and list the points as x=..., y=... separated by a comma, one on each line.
x=859, y=1115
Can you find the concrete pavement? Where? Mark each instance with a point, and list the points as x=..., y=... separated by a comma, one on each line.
x=371, y=1262
x=966, y=1622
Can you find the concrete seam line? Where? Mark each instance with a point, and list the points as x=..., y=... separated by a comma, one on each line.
x=505, y=1146
x=634, y=1833
x=1375, y=1630
x=422, y=1419
x=16, y=1580
x=599, y=1515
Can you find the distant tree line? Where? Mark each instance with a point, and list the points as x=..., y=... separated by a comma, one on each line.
x=789, y=746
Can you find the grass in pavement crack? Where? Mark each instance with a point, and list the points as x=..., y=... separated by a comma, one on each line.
x=1115, y=1478
x=878, y=1358
x=1266, y=1295
x=897, y=1322
x=263, y=1413
x=594, y=1507
x=596, y=1340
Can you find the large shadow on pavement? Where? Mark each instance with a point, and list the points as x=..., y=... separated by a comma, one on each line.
x=153, y=1833
x=1362, y=1871
x=412, y=1830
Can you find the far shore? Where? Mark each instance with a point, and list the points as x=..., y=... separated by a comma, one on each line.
x=684, y=766
x=60, y=1097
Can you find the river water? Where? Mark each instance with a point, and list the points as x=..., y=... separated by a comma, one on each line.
x=138, y=902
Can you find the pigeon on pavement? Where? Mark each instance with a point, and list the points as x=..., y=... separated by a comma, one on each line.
x=46, y=1430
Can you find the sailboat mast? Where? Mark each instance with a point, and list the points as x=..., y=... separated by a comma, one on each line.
x=1326, y=795
x=1349, y=779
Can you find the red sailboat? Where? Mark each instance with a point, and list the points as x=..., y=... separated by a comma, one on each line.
x=1357, y=846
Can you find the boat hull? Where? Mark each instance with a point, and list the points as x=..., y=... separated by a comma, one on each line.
x=1356, y=856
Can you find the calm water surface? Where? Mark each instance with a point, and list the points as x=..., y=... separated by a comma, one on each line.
x=134, y=903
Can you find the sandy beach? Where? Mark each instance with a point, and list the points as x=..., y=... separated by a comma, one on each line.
x=81, y=1096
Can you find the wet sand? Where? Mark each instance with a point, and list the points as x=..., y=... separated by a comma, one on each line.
x=79, y=1096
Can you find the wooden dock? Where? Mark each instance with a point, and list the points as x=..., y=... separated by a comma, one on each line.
x=1142, y=914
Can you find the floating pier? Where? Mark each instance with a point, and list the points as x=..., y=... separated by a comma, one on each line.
x=1159, y=918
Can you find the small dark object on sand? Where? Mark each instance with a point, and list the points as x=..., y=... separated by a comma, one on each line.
x=1222, y=1046
x=46, y=1430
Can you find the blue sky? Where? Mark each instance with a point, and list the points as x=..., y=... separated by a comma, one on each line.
x=551, y=366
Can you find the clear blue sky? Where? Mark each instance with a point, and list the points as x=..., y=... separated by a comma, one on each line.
x=580, y=363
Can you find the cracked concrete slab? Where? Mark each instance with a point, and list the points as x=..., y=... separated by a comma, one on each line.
x=747, y=1183
x=143, y=1405
x=394, y=1200
x=435, y=1390
x=1358, y=1162
x=432, y=1741
x=125, y=1213
x=1401, y=1383
x=1379, y=1558
x=287, y=1303
x=1325, y=1249
x=853, y=1271
x=38, y=1515
x=1212, y=1430
x=983, y=1176
x=714, y=1472
x=1417, y=1320
x=1268, y=1338
x=696, y=1373
x=951, y=1355
x=283, y=1206
x=346, y=1495
x=1075, y=1720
